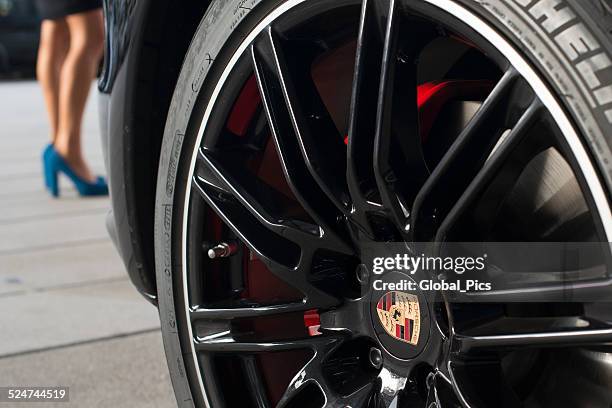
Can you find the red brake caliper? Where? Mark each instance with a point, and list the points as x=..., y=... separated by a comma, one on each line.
x=433, y=96
x=312, y=321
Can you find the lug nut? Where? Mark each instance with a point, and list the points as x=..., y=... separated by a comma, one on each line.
x=362, y=274
x=375, y=357
x=223, y=250
x=430, y=380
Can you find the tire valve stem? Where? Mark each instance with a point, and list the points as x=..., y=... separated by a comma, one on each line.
x=222, y=250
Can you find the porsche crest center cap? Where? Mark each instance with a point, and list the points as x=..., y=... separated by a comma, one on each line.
x=400, y=315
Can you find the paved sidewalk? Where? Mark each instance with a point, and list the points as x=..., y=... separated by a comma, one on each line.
x=68, y=313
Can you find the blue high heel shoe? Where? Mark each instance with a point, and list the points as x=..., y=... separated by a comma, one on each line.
x=54, y=163
x=46, y=152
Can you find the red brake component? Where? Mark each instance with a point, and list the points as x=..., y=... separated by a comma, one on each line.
x=433, y=96
x=245, y=108
x=312, y=321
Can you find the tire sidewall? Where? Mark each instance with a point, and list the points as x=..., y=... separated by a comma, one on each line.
x=204, y=61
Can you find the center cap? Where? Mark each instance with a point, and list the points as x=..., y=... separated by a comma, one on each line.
x=400, y=315
x=400, y=318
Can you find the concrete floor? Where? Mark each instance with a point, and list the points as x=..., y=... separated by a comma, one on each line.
x=68, y=314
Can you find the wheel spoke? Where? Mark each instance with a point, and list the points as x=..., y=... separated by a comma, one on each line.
x=257, y=197
x=259, y=239
x=362, y=121
x=256, y=385
x=225, y=343
x=312, y=373
x=315, y=130
x=493, y=167
x=291, y=268
x=464, y=344
x=279, y=110
x=317, y=136
x=246, y=312
x=443, y=393
x=399, y=165
x=211, y=382
x=592, y=290
x=230, y=345
x=467, y=155
x=358, y=398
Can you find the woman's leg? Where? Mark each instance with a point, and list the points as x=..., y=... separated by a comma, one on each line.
x=54, y=43
x=79, y=70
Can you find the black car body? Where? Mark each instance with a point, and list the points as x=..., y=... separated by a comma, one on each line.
x=145, y=47
x=19, y=33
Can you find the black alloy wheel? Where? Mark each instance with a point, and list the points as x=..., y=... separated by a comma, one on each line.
x=326, y=128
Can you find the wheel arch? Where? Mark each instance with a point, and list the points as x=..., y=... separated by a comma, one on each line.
x=146, y=42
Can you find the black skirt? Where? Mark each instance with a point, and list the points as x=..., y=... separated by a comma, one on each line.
x=54, y=9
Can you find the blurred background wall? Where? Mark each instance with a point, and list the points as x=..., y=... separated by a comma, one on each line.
x=69, y=315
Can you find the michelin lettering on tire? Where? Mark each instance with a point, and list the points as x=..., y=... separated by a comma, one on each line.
x=576, y=40
x=572, y=55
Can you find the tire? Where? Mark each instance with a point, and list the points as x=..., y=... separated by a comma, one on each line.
x=227, y=23
x=214, y=34
x=544, y=42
